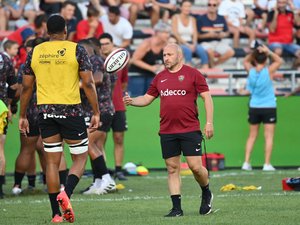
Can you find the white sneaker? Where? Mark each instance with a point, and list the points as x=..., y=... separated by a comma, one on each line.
x=109, y=185
x=16, y=190
x=93, y=189
x=268, y=167
x=246, y=166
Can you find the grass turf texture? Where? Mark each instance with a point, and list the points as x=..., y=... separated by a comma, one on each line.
x=145, y=200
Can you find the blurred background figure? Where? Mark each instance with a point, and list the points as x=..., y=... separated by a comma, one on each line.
x=262, y=105
x=184, y=28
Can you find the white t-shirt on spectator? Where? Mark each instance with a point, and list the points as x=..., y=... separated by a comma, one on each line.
x=233, y=11
x=120, y=31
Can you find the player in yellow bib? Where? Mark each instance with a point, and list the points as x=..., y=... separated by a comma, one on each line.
x=56, y=67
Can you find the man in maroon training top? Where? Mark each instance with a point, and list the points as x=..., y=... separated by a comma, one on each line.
x=178, y=87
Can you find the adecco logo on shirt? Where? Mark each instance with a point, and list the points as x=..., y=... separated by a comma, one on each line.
x=172, y=92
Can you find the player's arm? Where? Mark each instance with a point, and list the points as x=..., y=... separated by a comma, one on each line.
x=209, y=109
x=139, y=101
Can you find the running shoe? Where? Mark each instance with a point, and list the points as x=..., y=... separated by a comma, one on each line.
x=206, y=203
x=16, y=190
x=108, y=185
x=95, y=190
x=57, y=219
x=66, y=207
x=268, y=167
x=120, y=176
x=174, y=213
x=246, y=166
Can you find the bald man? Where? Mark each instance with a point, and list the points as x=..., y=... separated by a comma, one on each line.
x=178, y=87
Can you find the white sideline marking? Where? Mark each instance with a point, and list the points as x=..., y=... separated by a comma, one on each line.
x=46, y=200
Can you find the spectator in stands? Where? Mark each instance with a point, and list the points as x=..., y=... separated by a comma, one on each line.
x=31, y=11
x=212, y=29
x=148, y=6
x=147, y=59
x=67, y=12
x=259, y=9
x=281, y=24
x=297, y=12
x=51, y=6
x=234, y=13
x=11, y=49
x=118, y=27
x=167, y=9
x=184, y=28
x=10, y=10
x=262, y=105
x=90, y=27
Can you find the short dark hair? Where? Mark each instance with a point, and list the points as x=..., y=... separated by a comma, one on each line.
x=84, y=42
x=56, y=24
x=94, y=41
x=66, y=3
x=39, y=20
x=259, y=57
x=8, y=44
x=106, y=35
x=114, y=10
x=92, y=11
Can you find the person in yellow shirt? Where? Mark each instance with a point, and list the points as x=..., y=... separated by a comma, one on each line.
x=57, y=66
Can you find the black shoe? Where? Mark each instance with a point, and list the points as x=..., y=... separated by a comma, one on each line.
x=120, y=176
x=206, y=203
x=174, y=213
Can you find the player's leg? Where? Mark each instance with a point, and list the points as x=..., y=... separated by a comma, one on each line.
x=23, y=161
x=192, y=150
x=171, y=153
x=2, y=164
x=119, y=126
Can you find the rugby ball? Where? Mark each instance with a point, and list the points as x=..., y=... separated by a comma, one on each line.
x=116, y=60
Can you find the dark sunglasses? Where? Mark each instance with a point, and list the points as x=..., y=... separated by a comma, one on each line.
x=214, y=5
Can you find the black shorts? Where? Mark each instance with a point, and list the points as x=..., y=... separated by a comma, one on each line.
x=105, y=119
x=187, y=143
x=34, y=129
x=119, y=123
x=262, y=115
x=69, y=127
x=259, y=12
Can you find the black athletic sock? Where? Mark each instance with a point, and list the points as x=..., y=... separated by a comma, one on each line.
x=97, y=167
x=54, y=204
x=118, y=168
x=205, y=188
x=63, y=176
x=44, y=177
x=71, y=183
x=2, y=181
x=31, y=180
x=18, y=178
x=176, y=201
x=101, y=166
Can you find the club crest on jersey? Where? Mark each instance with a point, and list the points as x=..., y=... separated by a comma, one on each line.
x=181, y=77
